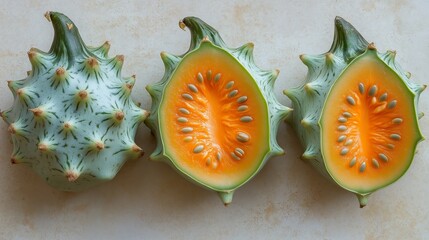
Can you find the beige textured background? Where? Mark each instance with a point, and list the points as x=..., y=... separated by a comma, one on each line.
x=148, y=200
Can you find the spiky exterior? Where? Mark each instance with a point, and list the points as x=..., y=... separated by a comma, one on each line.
x=200, y=32
x=323, y=70
x=72, y=119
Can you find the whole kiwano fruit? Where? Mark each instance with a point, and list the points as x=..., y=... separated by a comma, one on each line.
x=72, y=119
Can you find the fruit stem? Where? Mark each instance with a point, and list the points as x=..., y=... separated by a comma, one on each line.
x=226, y=197
x=67, y=39
x=363, y=199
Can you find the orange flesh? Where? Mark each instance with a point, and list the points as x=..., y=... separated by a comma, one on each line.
x=216, y=131
x=380, y=133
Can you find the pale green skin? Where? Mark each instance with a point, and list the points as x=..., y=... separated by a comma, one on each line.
x=93, y=120
x=244, y=56
x=323, y=71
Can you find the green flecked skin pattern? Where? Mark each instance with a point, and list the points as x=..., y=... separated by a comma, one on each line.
x=72, y=120
x=202, y=33
x=308, y=100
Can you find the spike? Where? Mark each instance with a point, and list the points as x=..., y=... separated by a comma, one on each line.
x=60, y=75
x=226, y=197
x=29, y=73
x=45, y=147
x=408, y=75
x=82, y=96
x=98, y=145
x=105, y=48
x=92, y=65
x=329, y=58
x=136, y=150
x=391, y=54
x=118, y=62
x=308, y=154
x=307, y=123
x=309, y=88
x=38, y=112
x=118, y=116
x=371, y=46
x=11, y=129
x=71, y=175
x=48, y=16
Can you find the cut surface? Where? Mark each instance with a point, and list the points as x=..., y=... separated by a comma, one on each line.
x=214, y=122
x=369, y=126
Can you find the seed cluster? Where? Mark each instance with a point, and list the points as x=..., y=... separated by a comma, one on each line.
x=195, y=131
x=384, y=135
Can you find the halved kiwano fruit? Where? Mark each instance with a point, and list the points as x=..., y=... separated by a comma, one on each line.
x=214, y=112
x=356, y=114
x=369, y=126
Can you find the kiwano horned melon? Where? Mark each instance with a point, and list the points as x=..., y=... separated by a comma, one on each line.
x=214, y=113
x=72, y=119
x=356, y=114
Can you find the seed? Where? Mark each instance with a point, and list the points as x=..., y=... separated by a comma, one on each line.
x=187, y=139
x=233, y=93
x=187, y=96
x=242, y=99
x=392, y=104
x=235, y=156
x=182, y=120
x=208, y=161
x=341, y=138
x=342, y=119
x=198, y=148
x=193, y=88
x=218, y=156
x=383, y=157
x=242, y=137
x=348, y=142
x=209, y=75
x=214, y=164
x=200, y=77
x=246, y=119
x=347, y=114
x=372, y=90
x=342, y=128
x=184, y=111
x=361, y=88
x=397, y=120
x=350, y=100
x=229, y=84
x=395, y=136
x=390, y=146
x=362, y=167
x=375, y=163
x=217, y=77
x=352, y=162
x=239, y=152
x=187, y=130
x=383, y=97
x=242, y=108
x=344, y=151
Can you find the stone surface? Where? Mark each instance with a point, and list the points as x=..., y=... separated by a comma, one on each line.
x=148, y=200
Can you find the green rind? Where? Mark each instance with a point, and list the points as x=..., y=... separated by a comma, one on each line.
x=71, y=162
x=200, y=31
x=323, y=70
